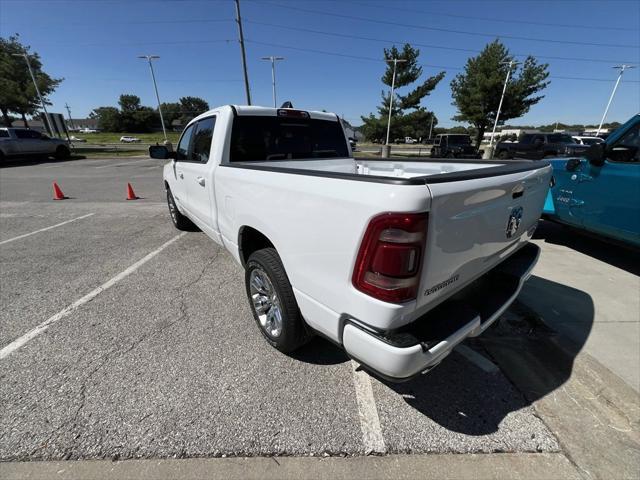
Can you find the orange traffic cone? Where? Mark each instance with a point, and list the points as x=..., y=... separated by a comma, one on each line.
x=57, y=192
x=131, y=195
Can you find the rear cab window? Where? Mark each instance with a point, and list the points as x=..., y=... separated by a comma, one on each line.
x=4, y=134
x=264, y=138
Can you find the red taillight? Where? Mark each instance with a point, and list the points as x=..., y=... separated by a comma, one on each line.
x=390, y=256
x=287, y=112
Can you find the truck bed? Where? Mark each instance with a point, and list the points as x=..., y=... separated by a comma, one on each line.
x=409, y=172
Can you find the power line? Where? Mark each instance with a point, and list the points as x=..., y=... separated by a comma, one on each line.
x=447, y=30
x=131, y=22
x=499, y=20
x=379, y=60
x=426, y=45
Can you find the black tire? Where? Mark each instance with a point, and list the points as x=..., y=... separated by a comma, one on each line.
x=1, y=156
x=179, y=220
x=62, y=153
x=503, y=155
x=294, y=332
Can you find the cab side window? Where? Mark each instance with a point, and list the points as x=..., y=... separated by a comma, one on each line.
x=202, y=140
x=627, y=148
x=182, y=151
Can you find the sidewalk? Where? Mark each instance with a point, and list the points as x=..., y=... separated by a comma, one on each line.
x=589, y=291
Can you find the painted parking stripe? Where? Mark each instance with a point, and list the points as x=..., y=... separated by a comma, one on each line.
x=30, y=335
x=367, y=411
x=45, y=229
x=477, y=359
x=123, y=164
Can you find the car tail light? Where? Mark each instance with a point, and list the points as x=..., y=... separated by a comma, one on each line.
x=390, y=256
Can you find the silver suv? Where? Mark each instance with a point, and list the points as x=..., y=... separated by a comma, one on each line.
x=16, y=142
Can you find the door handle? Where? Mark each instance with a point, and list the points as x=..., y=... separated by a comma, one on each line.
x=200, y=181
x=180, y=174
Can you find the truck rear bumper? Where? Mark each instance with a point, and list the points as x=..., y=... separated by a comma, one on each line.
x=400, y=354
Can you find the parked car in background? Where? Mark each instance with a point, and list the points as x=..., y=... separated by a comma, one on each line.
x=536, y=146
x=587, y=140
x=410, y=140
x=353, y=143
x=395, y=261
x=449, y=145
x=127, y=139
x=17, y=142
x=87, y=130
x=75, y=139
x=600, y=191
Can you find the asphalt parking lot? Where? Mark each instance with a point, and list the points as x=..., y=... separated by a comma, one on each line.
x=123, y=338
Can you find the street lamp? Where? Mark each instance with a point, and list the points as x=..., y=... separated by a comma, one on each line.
x=622, y=68
x=393, y=85
x=511, y=64
x=153, y=77
x=46, y=114
x=273, y=60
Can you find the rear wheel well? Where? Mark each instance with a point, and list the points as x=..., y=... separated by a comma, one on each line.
x=251, y=240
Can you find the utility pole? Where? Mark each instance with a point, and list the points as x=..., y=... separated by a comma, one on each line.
x=244, y=56
x=511, y=64
x=273, y=60
x=35, y=84
x=387, y=151
x=622, y=68
x=66, y=105
x=155, y=86
x=431, y=127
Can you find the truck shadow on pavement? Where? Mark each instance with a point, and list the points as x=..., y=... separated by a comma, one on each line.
x=461, y=396
x=620, y=256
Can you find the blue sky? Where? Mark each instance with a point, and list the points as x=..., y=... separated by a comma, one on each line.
x=93, y=44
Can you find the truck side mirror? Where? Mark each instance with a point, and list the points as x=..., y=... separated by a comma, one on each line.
x=596, y=154
x=161, y=152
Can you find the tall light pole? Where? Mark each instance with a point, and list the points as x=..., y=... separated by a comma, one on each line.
x=155, y=86
x=511, y=64
x=393, y=86
x=622, y=68
x=35, y=84
x=273, y=61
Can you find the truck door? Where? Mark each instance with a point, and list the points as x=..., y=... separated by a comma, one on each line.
x=198, y=180
x=607, y=198
x=177, y=182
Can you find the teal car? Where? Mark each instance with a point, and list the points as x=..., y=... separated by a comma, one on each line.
x=600, y=192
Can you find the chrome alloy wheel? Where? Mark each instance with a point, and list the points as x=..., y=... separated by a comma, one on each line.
x=265, y=302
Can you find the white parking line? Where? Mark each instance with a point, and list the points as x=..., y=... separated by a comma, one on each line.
x=30, y=335
x=45, y=229
x=478, y=359
x=122, y=164
x=368, y=412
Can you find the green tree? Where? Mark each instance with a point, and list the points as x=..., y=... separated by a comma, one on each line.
x=477, y=91
x=17, y=92
x=171, y=111
x=191, y=107
x=108, y=119
x=408, y=117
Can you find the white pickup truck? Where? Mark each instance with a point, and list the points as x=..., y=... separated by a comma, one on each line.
x=395, y=261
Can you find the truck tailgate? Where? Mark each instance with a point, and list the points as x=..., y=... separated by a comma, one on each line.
x=474, y=225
